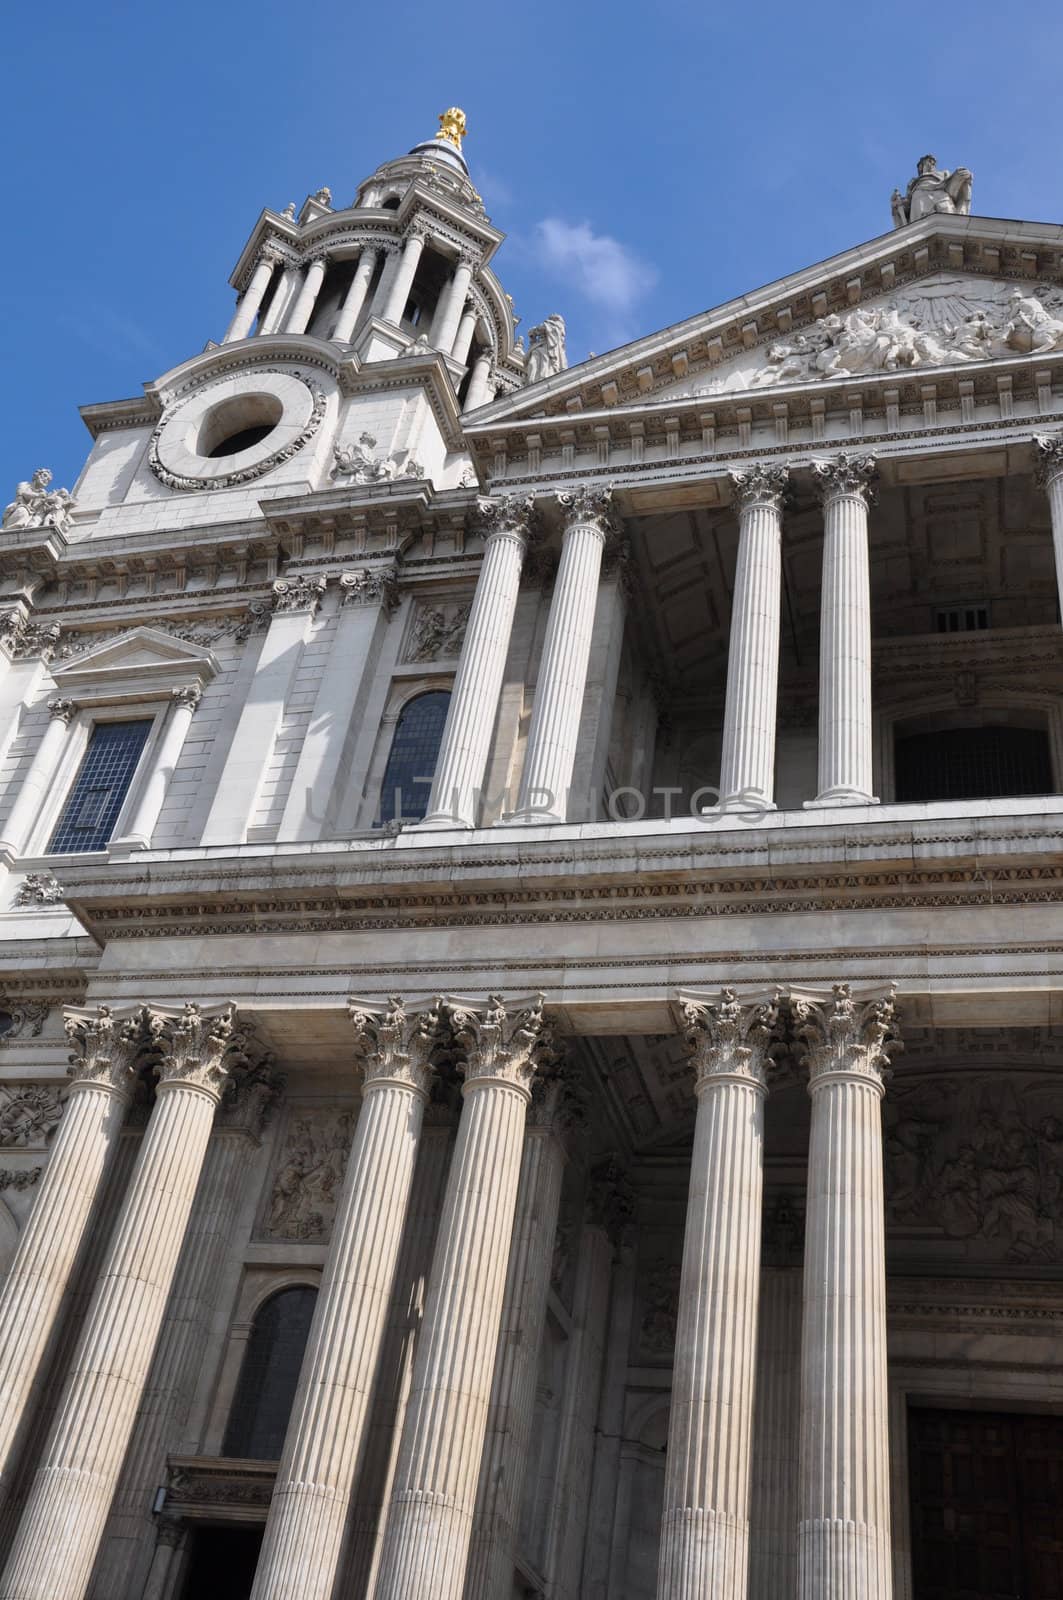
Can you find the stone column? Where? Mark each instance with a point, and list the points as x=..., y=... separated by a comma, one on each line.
x=454, y=304
x=308, y=1514
x=747, y=765
x=176, y=1369
x=283, y=295
x=845, y=634
x=1050, y=477
x=470, y=724
x=493, y=1549
x=57, y=1539
x=773, y=1500
x=429, y=1525
x=705, y=1525
x=39, y=779
x=303, y=309
x=107, y=1046
x=479, y=391
x=251, y=299
x=551, y=752
x=402, y=282
x=170, y=1541
x=354, y=299
x=843, y=1487
x=142, y=823
x=463, y=338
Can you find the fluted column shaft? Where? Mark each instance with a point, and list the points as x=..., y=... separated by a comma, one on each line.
x=142, y=823
x=555, y=719
x=281, y=300
x=252, y=297
x=463, y=338
x=354, y=299
x=466, y=742
x=126, y=1552
x=747, y=765
x=429, y=1522
x=773, y=1502
x=1050, y=476
x=308, y=1514
x=479, y=391
x=299, y=316
x=843, y=1493
x=705, y=1525
x=845, y=635
x=55, y=1231
x=402, y=282
x=454, y=305
x=38, y=780
x=516, y=1368
x=57, y=1539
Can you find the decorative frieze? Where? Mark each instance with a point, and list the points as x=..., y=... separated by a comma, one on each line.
x=28, y=1113
x=18, y=1178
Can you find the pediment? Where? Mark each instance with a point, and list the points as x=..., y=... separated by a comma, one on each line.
x=933, y=294
x=142, y=655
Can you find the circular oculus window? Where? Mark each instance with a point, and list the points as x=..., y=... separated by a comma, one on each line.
x=235, y=430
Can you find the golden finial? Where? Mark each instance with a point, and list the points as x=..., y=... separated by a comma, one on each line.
x=452, y=127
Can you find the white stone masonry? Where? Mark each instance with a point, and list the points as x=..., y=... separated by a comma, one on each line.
x=429, y=1523
x=705, y=1523
x=747, y=765
x=326, y=1434
x=843, y=1493
x=1050, y=476
x=551, y=752
x=55, y=1546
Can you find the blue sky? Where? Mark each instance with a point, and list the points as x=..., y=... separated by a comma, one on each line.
x=645, y=163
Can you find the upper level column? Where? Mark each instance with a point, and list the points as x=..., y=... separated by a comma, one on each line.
x=845, y=634
x=747, y=765
x=551, y=752
x=843, y=1490
x=463, y=753
x=402, y=282
x=705, y=1529
x=454, y=304
x=1050, y=476
x=354, y=299
x=303, y=309
x=39, y=779
x=251, y=299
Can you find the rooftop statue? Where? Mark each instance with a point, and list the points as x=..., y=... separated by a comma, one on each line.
x=546, y=349
x=37, y=506
x=932, y=191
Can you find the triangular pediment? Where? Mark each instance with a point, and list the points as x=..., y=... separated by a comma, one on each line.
x=140, y=653
x=934, y=294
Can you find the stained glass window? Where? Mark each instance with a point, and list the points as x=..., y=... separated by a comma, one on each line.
x=412, y=760
x=269, y=1375
x=91, y=811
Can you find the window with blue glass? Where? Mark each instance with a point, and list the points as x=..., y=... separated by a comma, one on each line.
x=269, y=1375
x=91, y=811
x=412, y=760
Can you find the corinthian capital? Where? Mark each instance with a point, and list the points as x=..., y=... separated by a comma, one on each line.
x=1049, y=457
x=842, y=1036
x=393, y=1047
x=195, y=1044
x=511, y=514
x=845, y=475
x=763, y=484
x=728, y=1040
x=589, y=507
x=501, y=1045
x=109, y=1044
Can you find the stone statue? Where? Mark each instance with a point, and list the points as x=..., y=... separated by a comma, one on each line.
x=37, y=506
x=1030, y=329
x=546, y=349
x=932, y=191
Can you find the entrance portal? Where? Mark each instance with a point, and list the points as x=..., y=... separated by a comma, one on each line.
x=987, y=1505
x=222, y=1561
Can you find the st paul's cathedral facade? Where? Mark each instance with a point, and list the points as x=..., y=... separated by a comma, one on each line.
x=531, y=1037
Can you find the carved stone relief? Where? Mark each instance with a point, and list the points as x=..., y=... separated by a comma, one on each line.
x=978, y=1157
x=19, y=1017
x=309, y=1174
x=660, y=1310
x=438, y=631
x=28, y=1113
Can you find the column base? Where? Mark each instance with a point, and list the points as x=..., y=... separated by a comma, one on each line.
x=745, y=802
x=528, y=819
x=841, y=796
x=439, y=821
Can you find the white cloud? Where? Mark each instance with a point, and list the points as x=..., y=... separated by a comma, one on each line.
x=600, y=268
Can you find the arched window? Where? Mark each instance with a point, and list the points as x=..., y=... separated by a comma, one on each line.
x=412, y=759
x=269, y=1375
x=972, y=763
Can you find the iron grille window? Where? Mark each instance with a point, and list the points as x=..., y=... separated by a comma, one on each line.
x=269, y=1375
x=412, y=759
x=973, y=763
x=102, y=783
x=962, y=619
